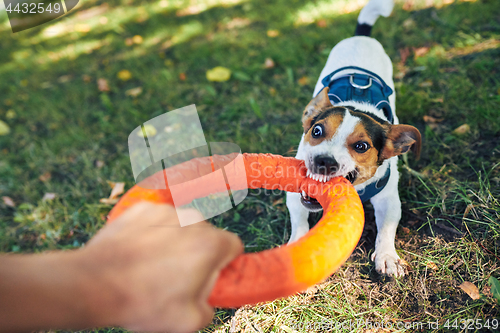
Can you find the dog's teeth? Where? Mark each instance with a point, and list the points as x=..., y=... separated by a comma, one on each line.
x=322, y=178
x=304, y=193
x=308, y=173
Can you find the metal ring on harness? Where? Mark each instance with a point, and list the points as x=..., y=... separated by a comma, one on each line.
x=355, y=85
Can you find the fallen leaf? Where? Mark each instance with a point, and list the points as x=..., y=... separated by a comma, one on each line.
x=49, y=196
x=134, y=92
x=129, y=41
x=420, y=51
x=108, y=201
x=86, y=78
x=438, y=100
x=218, y=74
x=404, y=263
x=404, y=53
x=272, y=91
x=99, y=164
x=124, y=75
x=432, y=265
x=102, y=85
x=303, y=80
x=470, y=289
x=182, y=76
x=64, y=78
x=137, y=39
x=150, y=131
x=429, y=119
x=273, y=33
x=321, y=23
x=118, y=189
x=4, y=128
x=408, y=23
x=82, y=27
x=269, y=63
x=425, y=84
x=463, y=129
x=9, y=202
x=277, y=202
x=46, y=176
x=405, y=230
x=458, y=264
x=10, y=114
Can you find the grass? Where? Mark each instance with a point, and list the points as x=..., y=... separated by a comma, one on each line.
x=68, y=138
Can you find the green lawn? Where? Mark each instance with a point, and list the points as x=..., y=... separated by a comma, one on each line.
x=67, y=137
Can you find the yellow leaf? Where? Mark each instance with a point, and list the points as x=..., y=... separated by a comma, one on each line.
x=273, y=33
x=470, y=289
x=303, y=80
x=82, y=27
x=137, y=39
x=10, y=114
x=218, y=74
x=432, y=266
x=4, y=128
x=124, y=75
x=463, y=129
x=150, y=131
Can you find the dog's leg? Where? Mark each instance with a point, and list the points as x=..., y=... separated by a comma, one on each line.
x=298, y=216
x=387, y=207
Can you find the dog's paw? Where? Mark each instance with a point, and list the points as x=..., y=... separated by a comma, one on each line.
x=388, y=263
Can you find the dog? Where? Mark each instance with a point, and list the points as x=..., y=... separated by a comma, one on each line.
x=351, y=130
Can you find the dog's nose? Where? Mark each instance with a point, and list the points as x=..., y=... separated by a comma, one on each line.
x=325, y=164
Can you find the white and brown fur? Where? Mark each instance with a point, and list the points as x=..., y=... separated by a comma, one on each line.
x=349, y=123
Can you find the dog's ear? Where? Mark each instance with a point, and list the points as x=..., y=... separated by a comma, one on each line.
x=400, y=139
x=318, y=103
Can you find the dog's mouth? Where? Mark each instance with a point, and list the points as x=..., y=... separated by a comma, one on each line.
x=351, y=176
x=311, y=203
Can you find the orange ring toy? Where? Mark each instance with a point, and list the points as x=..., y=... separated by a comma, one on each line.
x=282, y=271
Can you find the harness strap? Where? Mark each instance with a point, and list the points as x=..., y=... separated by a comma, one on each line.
x=360, y=87
x=374, y=188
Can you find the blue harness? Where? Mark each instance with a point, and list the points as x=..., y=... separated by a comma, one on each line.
x=369, y=88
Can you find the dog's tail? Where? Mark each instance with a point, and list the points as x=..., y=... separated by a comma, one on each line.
x=370, y=13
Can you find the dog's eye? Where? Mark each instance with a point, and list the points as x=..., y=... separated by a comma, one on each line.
x=317, y=131
x=361, y=147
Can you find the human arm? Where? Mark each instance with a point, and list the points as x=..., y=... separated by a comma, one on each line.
x=141, y=272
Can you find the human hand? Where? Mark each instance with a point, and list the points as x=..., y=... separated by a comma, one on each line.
x=154, y=274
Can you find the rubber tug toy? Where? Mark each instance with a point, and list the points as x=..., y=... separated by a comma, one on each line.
x=264, y=276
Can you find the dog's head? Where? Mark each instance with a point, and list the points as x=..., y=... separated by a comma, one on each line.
x=343, y=141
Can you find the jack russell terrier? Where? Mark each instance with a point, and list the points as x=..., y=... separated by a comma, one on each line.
x=351, y=130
